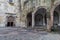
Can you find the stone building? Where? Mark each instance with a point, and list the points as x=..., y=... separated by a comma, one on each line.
x=30, y=13
x=9, y=13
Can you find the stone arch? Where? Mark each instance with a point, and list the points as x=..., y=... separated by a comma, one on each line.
x=39, y=8
x=32, y=15
x=56, y=3
x=39, y=16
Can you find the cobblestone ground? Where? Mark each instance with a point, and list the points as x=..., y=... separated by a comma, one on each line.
x=23, y=34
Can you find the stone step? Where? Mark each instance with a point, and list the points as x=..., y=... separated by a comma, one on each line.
x=40, y=28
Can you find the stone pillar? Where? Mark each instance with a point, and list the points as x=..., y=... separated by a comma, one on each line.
x=50, y=22
x=33, y=20
x=59, y=20
x=43, y=21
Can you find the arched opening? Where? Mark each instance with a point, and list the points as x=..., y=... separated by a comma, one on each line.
x=38, y=20
x=56, y=17
x=10, y=21
x=40, y=17
x=29, y=19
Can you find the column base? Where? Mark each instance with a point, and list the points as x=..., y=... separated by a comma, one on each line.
x=44, y=24
x=59, y=24
x=48, y=30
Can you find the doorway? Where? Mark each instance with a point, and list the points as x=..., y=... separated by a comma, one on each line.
x=55, y=18
x=29, y=19
x=38, y=20
x=40, y=17
x=10, y=21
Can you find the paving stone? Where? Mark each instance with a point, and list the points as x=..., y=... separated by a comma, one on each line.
x=23, y=34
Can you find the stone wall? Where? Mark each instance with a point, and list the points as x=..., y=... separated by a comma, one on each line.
x=20, y=11
x=32, y=7
x=6, y=8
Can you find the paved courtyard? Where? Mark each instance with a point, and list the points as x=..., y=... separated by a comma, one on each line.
x=24, y=34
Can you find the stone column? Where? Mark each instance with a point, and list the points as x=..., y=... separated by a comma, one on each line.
x=59, y=20
x=50, y=22
x=43, y=21
x=33, y=20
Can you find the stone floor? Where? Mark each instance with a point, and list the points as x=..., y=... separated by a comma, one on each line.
x=24, y=34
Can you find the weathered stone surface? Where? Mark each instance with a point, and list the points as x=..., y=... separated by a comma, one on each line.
x=24, y=34
x=19, y=10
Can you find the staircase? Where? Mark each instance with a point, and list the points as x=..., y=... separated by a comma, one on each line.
x=40, y=28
